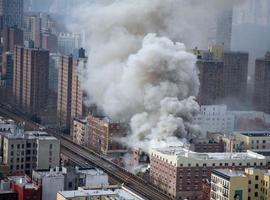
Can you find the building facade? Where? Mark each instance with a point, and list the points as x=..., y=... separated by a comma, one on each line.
x=70, y=95
x=250, y=184
x=103, y=135
x=68, y=42
x=12, y=36
x=215, y=118
x=32, y=30
x=8, y=70
x=80, y=132
x=30, y=80
x=30, y=150
x=235, y=76
x=67, y=178
x=25, y=188
x=261, y=96
x=11, y=13
x=212, y=81
x=179, y=172
x=223, y=76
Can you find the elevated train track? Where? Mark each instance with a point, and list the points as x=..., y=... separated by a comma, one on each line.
x=80, y=155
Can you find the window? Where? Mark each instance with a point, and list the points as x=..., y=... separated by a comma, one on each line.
x=249, y=182
x=256, y=194
x=70, y=184
x=256, y=186
x=256, y=178
x=51, y=146
x=18, y=146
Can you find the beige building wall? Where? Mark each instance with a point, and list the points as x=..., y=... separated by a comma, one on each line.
x=48, y=153
x=227, y=188
x=252, y=183
x=14, y=154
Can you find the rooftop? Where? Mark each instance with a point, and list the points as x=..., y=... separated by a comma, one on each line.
x=23, y=181
x=113, y=193
x=6, y=121
x=183, y=152
x=59, y=171
x=229, y=173
x=87, y=193
x=30, y=135
x=255, y=133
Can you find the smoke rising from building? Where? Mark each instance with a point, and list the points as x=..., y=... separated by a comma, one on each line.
x=136, y=73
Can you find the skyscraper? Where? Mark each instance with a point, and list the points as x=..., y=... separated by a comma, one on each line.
x=30, y=82
x=220, y=29
x=11, y=13
x=224, y=28
x=32, y=29
x=235, y=75
x=211, y=78
x=12, y=36
x=262, y=81
x=70, y=96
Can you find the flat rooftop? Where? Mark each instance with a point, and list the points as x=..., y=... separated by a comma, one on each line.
x=60, y=171
x=23, y=181
x=228, y=174
x=183, y=152
x=255, y=133
x=112, y=194
x=30, y=135
x=87, y=193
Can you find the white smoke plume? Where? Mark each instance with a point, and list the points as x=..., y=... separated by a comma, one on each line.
x=136, y=73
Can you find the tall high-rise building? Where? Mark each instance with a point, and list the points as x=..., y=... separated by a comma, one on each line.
x=8, y=66
x=211, y=78
x=68, y=42
x=220, y=28
x=262, y=80
x=235, y=75
x=11, y=13
x=12, y=36
x=53, y=72
x=30, y=82
x=223, y=76
x=70, y=95
x=32, y=29
x=224, y=28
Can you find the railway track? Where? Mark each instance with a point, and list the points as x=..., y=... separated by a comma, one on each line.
x=80, y=155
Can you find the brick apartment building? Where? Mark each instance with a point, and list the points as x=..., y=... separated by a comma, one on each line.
x=25, y=188
x=30, y=78
x=180, y=172
x=223, y=74
x=103, y=135
x=12, y=36
x=211, y=78
x=70, y=94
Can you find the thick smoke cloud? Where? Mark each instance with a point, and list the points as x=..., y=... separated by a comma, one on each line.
x=139, y=75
